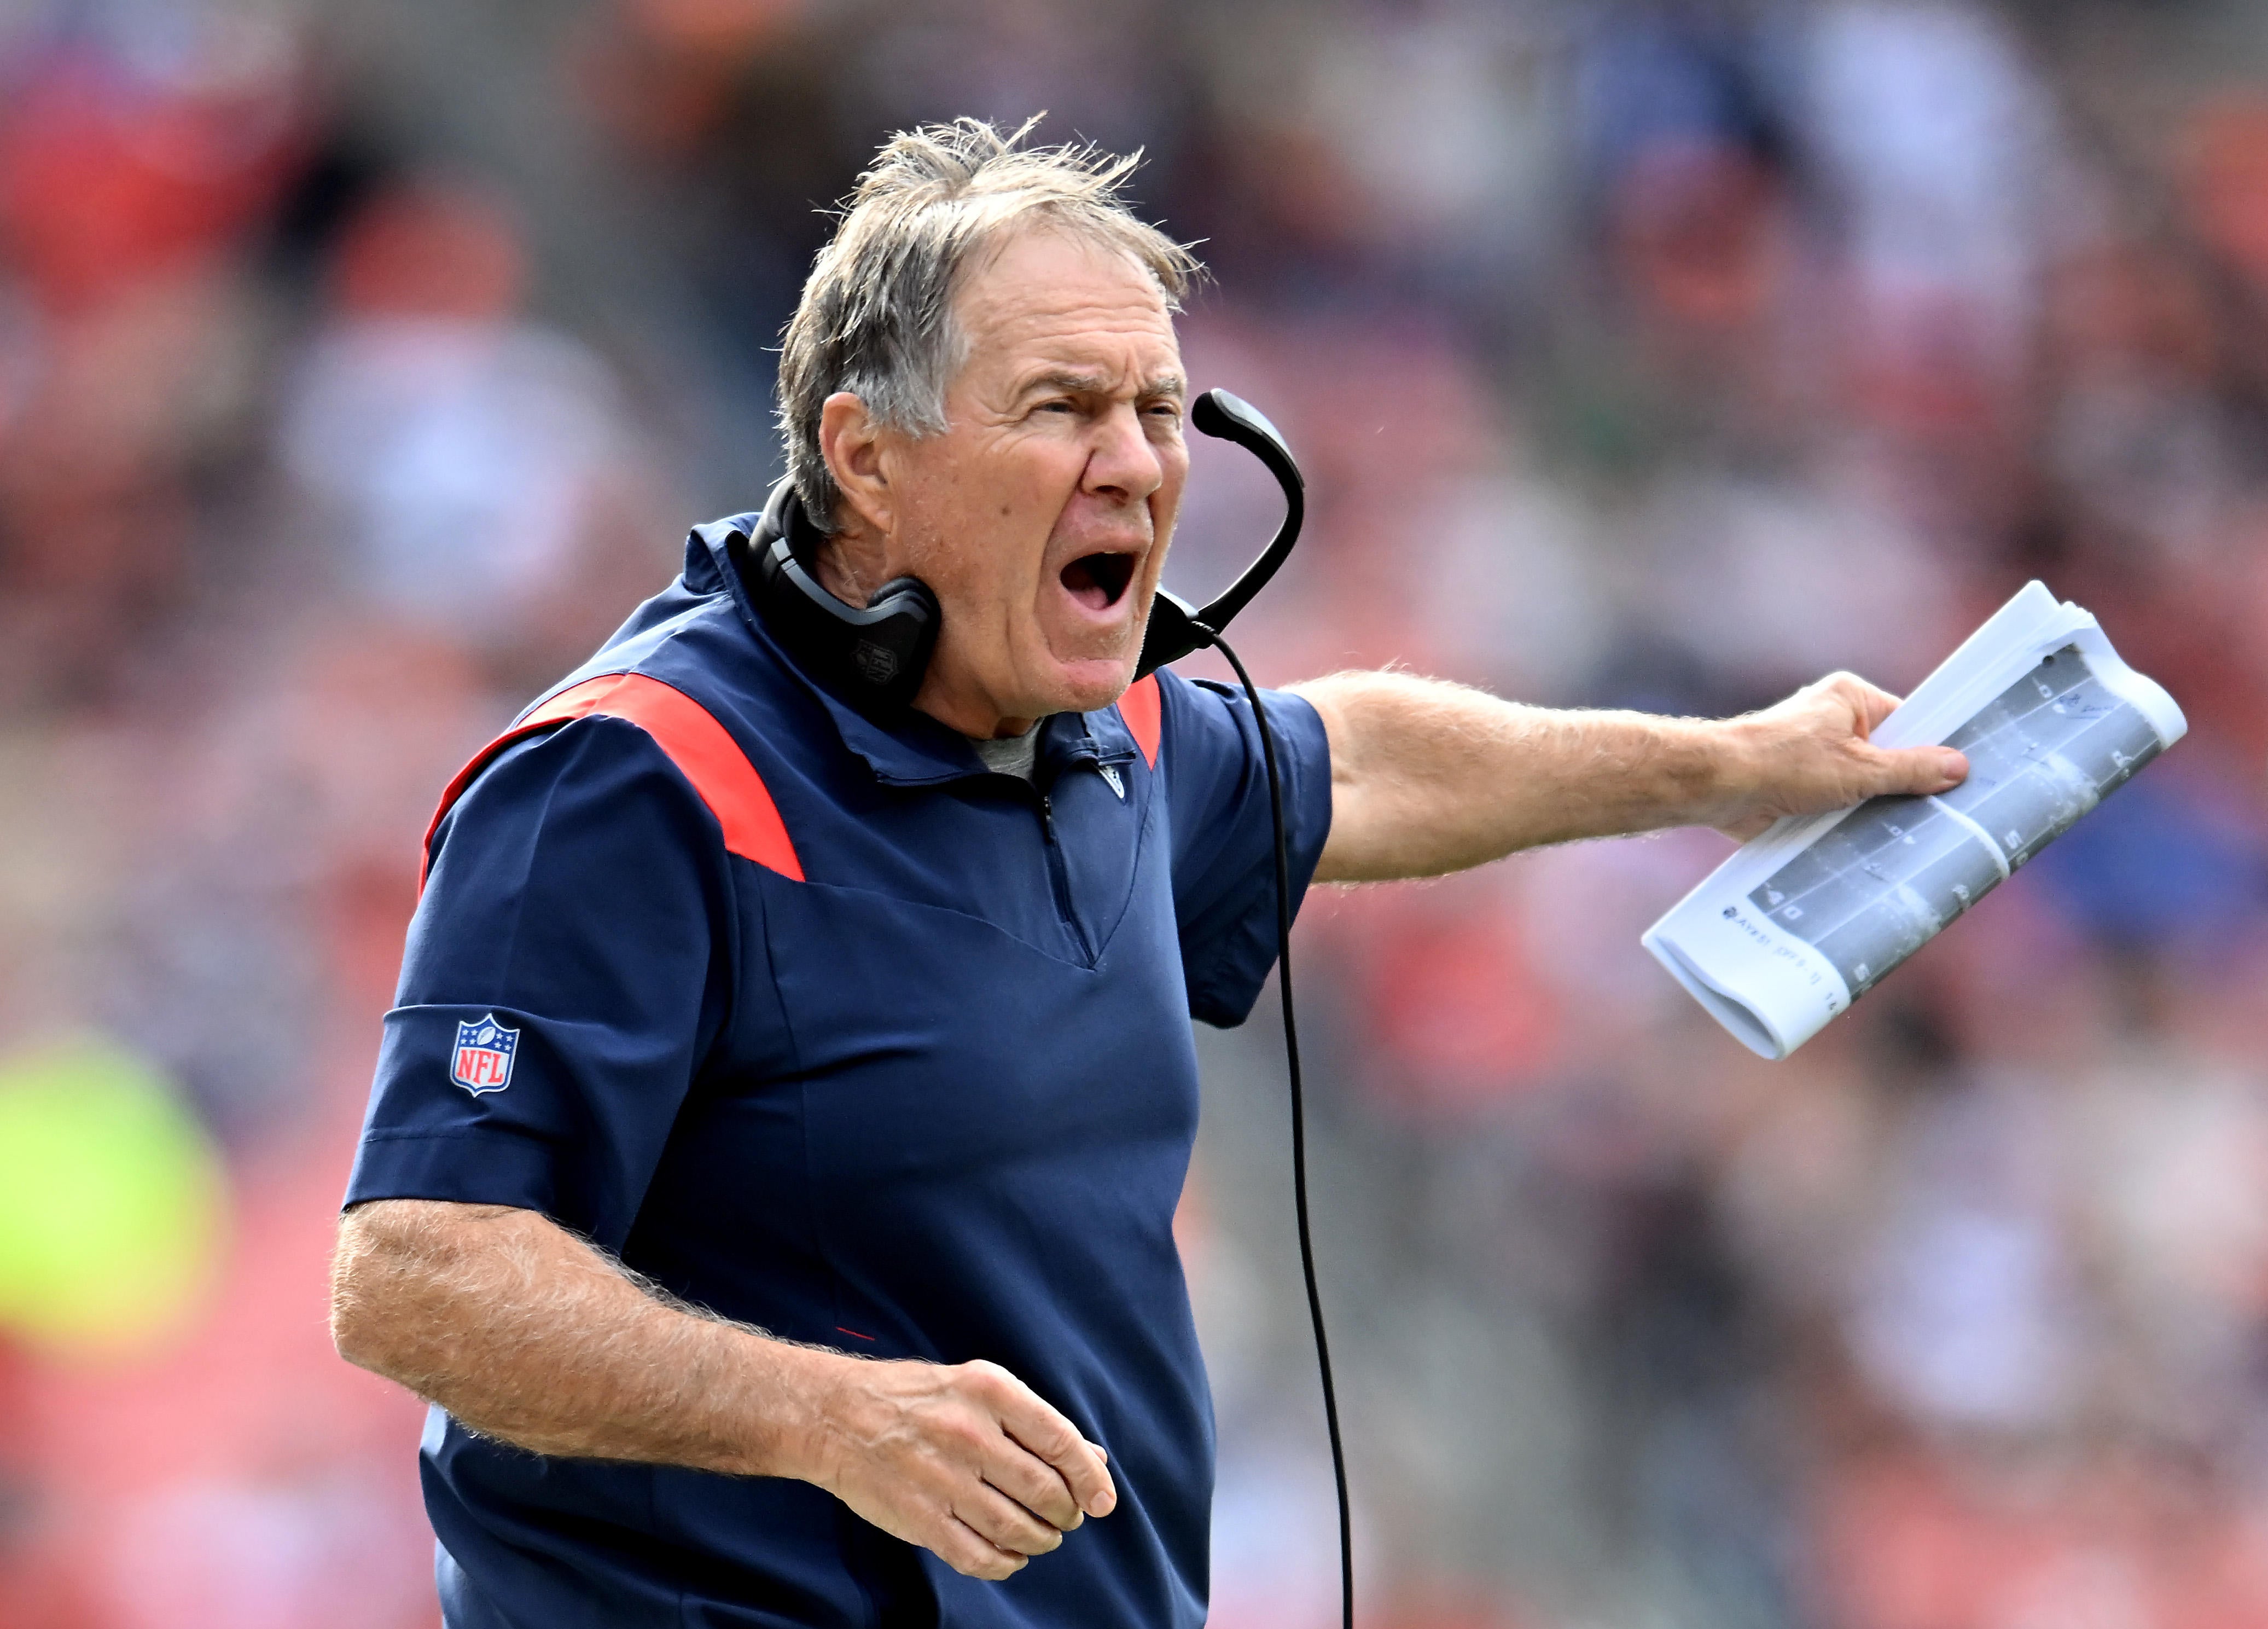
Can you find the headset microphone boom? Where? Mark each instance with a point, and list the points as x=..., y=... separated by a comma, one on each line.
x=1176, y=626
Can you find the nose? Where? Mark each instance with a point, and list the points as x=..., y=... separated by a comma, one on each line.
x=1123, y=464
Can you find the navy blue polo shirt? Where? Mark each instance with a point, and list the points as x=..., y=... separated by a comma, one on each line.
x=821, y=1025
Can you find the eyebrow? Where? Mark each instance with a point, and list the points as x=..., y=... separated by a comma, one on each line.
x=1092, y=384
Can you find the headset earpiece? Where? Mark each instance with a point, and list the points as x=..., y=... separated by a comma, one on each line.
x=874, y=655
x=892, y=652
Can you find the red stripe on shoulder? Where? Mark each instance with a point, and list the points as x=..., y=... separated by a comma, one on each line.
x=1142, y=708
x=702, y=749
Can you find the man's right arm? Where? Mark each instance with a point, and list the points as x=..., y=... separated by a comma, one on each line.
x=526, y=1333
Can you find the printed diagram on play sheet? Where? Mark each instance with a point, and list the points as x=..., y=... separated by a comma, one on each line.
x=1813, y=914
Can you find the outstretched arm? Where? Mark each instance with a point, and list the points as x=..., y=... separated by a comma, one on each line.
x=1428, y=777
x=526, y=1333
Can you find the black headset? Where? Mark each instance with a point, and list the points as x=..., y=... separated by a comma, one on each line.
x=874, y=655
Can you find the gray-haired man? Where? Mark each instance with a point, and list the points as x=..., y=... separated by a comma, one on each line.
x=795, y=1247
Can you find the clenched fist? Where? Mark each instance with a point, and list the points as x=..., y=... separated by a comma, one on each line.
x=965, y=1460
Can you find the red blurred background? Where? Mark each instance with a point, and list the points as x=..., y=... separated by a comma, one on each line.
x=360, y=367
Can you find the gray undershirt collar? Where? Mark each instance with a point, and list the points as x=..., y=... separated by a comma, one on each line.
x=1010, y=754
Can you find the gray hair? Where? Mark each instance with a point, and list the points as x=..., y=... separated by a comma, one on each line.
x=876, y=316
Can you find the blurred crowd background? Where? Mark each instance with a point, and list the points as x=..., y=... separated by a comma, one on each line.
x=361, y=365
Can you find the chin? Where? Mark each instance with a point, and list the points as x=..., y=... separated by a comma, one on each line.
x=1092, y=683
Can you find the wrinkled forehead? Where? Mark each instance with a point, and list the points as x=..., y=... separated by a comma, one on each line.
x=1045, y=298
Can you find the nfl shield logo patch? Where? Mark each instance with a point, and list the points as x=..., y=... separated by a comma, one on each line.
x=483, y=1063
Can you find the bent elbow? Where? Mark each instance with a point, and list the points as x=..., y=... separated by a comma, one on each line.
x=352, y=1335
x=360, y=1327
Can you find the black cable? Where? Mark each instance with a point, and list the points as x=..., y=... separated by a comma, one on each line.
x=1298, y=1120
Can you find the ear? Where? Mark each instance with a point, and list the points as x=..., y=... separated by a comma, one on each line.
x=850, y=441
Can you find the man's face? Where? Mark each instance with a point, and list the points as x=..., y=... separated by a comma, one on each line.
x=1041, y=516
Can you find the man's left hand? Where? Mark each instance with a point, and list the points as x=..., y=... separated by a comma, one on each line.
x=1815, y=752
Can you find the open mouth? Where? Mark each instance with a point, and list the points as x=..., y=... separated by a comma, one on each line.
x=1098, y=581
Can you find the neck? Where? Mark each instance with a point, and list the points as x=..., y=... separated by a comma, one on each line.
x=960, y=707
x=851, y=564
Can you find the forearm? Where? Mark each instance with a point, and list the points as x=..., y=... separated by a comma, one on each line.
x=526, y=1333
x=1428, y=777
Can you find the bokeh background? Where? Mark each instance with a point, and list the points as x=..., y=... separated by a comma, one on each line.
x=361, y=365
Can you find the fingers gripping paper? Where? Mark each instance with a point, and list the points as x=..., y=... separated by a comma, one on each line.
x=1811, y=914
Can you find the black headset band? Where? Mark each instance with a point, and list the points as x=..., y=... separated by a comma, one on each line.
x=874, y=655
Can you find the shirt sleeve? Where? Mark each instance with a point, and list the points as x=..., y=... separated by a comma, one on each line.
x=576, y=933
x=1216, y=783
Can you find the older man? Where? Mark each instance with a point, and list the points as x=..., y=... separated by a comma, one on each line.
x=771, y=1167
